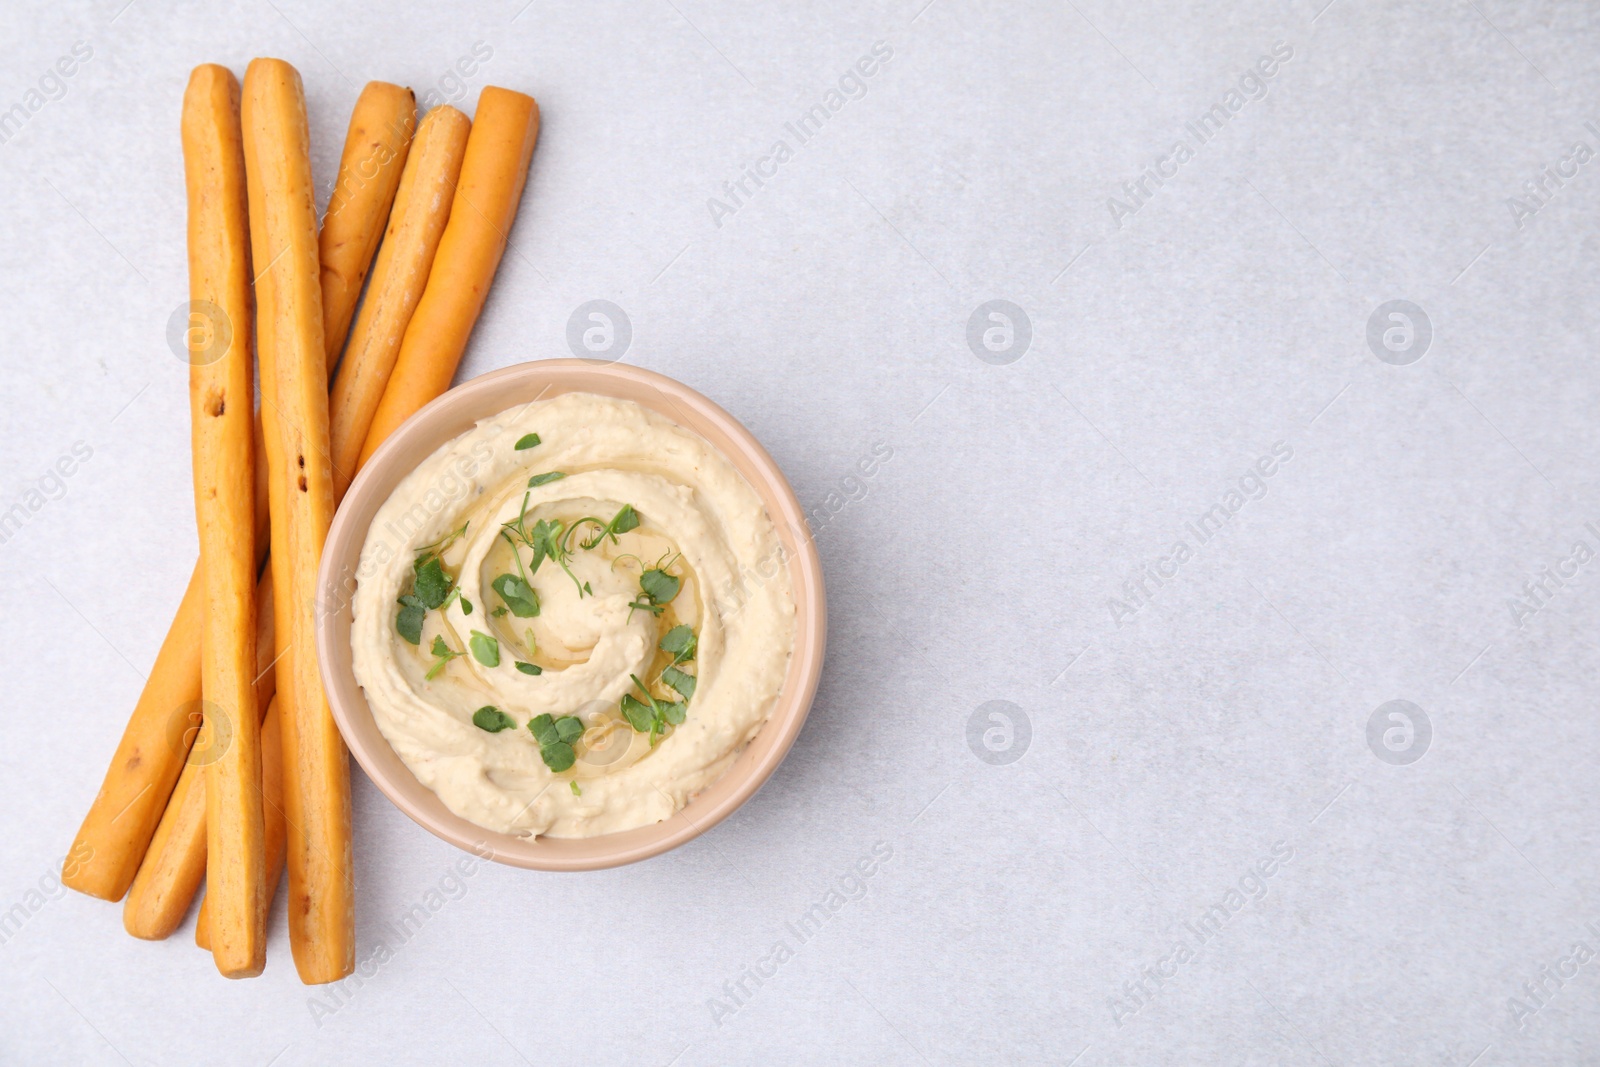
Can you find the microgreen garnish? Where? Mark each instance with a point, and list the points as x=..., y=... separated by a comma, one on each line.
x=498, y=612
x=624, y=520
x=526, y=441
x=492, y=719
x=540, y=479
x=529, y=668
x=485, y=649
x=660, y=586
x=517, y=594
x=555, y=737
x=575, y=790
x=545, y=540
x=651, y=714
x=433, y=584
x=657, y=588
x=681, y=642
x=432, y=587
x=682, y=682
x=442, y=655
x=409, y=621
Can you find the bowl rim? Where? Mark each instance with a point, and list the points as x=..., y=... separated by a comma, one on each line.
x=453, y=413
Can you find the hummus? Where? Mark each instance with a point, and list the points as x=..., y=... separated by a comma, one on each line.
x=572, y=618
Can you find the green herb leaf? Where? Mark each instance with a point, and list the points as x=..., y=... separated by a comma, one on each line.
x=518, y=595
x=555, y=737
x=540, y=479
x=498, y=612
x=433, y=584
x=409, y=621
x=443, y=653
x=639, y=715
x=466, y=606
x=681, y=642
x=652, y=714
x=624, y=520
x=627, y=519
x=543, y=728
x=492, y=719
x=526, y=441
x=683, y=683
x=485, y=649
x=575, y=790
x=529, y=668
x=545, y=540
x=660, y=586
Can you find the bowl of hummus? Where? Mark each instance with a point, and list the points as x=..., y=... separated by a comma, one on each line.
x=571, y=615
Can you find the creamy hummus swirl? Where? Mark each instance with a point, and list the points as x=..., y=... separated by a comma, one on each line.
x=592, y=643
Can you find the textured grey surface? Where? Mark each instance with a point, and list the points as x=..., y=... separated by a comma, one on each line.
x=1173, y=743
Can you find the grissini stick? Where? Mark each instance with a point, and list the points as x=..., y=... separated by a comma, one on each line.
x=221, y=403
x=272, y=806
x=294, y=375
x=421, y=210
x=115, y=833
x=176, y=859
x=375, y=148
x=117, y=830
x=493, y=174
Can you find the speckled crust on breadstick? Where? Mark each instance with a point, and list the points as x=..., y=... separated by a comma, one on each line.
x=374, y=157
x=176, y=860
x=316, y=778
x=221, y=402
x=421, y=209
x=493, y=174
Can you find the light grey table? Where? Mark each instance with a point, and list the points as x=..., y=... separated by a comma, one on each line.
x=1195, y=504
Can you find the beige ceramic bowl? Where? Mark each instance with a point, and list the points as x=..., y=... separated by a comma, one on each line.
x=458, y=411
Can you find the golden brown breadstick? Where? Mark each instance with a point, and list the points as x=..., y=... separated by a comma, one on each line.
x=173, y=865
x=272, y=809
x=421, y=210
x=116, y=833
x=316, y=778
x=112, y=841
x=221, y=400
x=375, y=148
x=493, y=173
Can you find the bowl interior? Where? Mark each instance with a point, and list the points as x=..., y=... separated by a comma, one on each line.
x=453, y=414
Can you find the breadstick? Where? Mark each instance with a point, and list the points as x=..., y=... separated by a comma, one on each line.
x=492, y=177
x=272, y=809
x=316, y=778
x=116, y=833
x=173, y=865
x=375, y=149
x=420, y=211
x=221, y=398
